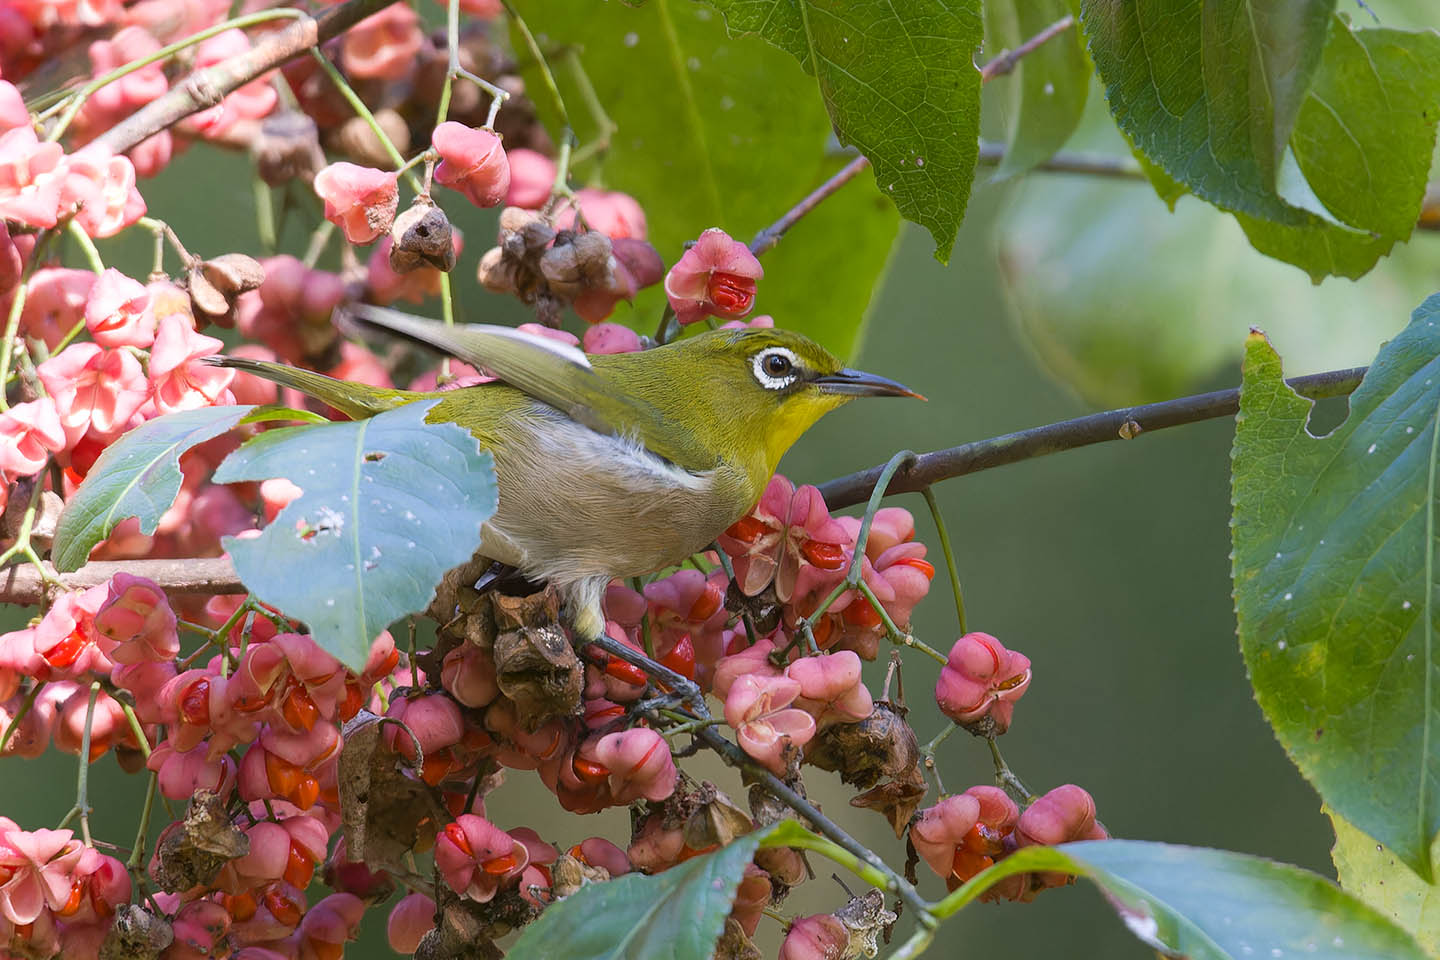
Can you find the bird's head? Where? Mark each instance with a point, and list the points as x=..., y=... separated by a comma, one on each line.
x=766, y=387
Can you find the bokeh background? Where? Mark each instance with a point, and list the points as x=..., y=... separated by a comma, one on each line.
x=1107, y=565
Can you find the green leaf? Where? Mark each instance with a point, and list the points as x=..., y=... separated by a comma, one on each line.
x=1066, y=244
x=1210, y=92
x=1363, y=142
x=1371, y=872
x=390, y=503
x=1334, y=547
x=900, y=84
x=1045, y=94
x=136, y=476
x=1213, y=904
x=675, y=915
x=717, y=132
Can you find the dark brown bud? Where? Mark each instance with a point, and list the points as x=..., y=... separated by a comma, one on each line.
x=136, y=934
x=421, y=236
x=192, y=851
x=215, y=285
x=288, y=148
x=535, y=666
x=584, y=263
x=496, y=272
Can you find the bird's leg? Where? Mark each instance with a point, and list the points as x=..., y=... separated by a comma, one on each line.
x=587, y=619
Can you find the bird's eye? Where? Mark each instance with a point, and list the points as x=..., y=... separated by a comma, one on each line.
x=775, y=368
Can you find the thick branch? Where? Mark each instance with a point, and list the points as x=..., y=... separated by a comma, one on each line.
x=1120, y=424
x=22, y=584
x=205, y=88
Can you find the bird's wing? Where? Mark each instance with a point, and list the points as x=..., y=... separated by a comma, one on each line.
x=552, y=372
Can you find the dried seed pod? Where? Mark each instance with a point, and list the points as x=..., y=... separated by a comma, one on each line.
x=583, y=263
x=864, y=918
x=215, y=285
x=496, y=272
x=716, y=821
x=524, y=232
x=136, y=934
x=568, y=875
x=192, y=851
x=734, y=944
x=422, y=236
x=288, y=148
x=535, y=666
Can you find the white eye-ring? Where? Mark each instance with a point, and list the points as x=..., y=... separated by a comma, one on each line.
x=775, y=368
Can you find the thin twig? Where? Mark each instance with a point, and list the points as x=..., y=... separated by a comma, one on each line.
x=770, y=236
x=1072, y=161
x=204, y=575
x=1010, y=448
x=1009, y=59
x=205, y=88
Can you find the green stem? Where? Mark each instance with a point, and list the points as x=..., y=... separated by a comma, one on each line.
x=12, y=329
x=607, y=127
x=447, y=315
x=142, y=832
x=82, y=779
x=545, y=73
x=87, y=246
x=319, y=240
x=927, y=754
x=918, y=942
x=1006, y=778
x=20, y=715
x=561, y=186
x=265, y=215
x=832, y=851
x=363, y=112
x=853, y=576
x=895, y=634
x=939, y=519
x=77, y=100
x=136, y=729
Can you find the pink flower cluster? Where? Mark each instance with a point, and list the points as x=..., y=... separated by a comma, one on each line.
x=41, y=185
x=967, y=832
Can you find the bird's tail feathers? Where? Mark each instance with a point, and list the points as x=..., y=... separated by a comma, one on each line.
x=355, y=400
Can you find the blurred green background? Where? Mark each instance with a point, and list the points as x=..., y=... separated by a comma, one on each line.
x=1106, y=565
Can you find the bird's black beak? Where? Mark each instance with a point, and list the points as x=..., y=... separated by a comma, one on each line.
x=858, y=383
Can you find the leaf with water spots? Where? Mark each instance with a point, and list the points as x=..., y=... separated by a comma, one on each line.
x=389, y=504
x=1334, y=572
x=1213, y=904
x=1371, y=872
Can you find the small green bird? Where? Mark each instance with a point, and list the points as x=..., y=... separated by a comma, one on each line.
x=615, y=465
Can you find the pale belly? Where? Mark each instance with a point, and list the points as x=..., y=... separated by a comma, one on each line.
x=581, y=505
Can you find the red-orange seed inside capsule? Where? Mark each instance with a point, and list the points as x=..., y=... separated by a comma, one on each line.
x=240, y=906
x=456, y=833
x=299, y=708
x=299, y=868
x=681, y=658
x=282, y=908
x=705, y=605
x=501, y=864
x=67, y=651
x=625, y=672
x=730, y=292
x=589, y=771
x=826, y=556
x=324, y=949
x=749, y=529
x=195, y=703
x=72, y=903
x=924, y=566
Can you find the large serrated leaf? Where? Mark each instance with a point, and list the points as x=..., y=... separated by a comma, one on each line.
x=1334, y=570
x=729, y=134
x=1371, y=872
x=900, y=84
x=136, y=476
x=389, y=504
x=1212, y=904
x=675, y=915
x=1211, y=91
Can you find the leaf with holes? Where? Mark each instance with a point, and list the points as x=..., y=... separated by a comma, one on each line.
x=389, y=504
x=1371, y=872
x=675, y=915
x=136, y=476
x=900, y=84
x=1213, y=904
x=1335, y=583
